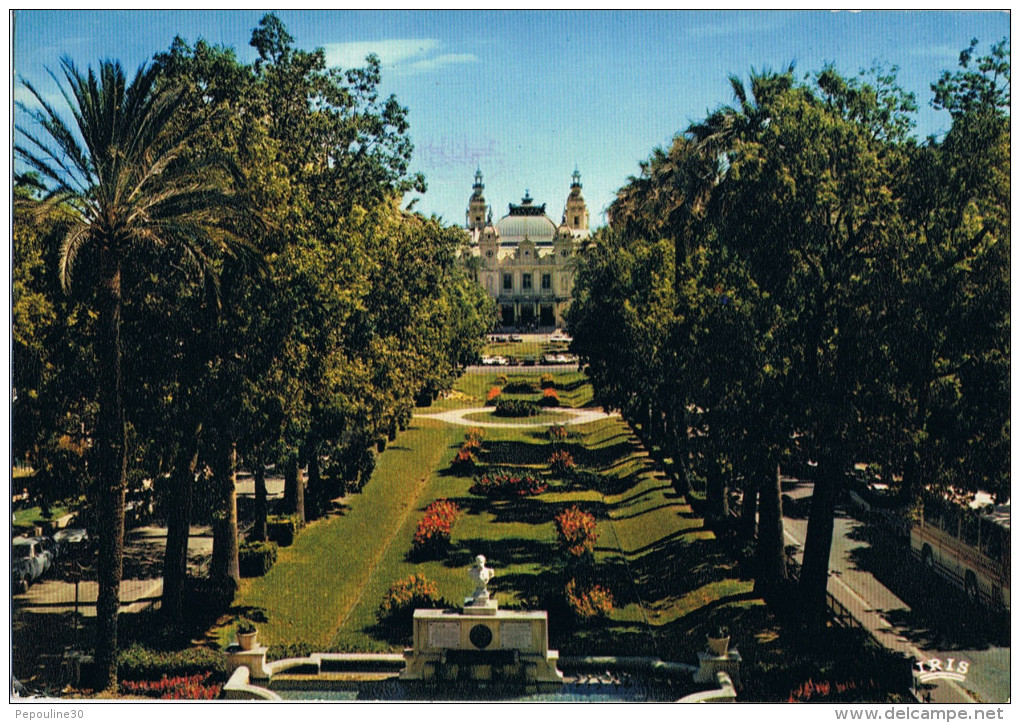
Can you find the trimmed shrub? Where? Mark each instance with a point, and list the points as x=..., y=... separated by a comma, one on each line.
x=550, y=398
x=464, y=462
x=282, y=529
x=493, y=396
x=137, y=662
x=548, y=382
x=396, y=611
x=516, y=408
x=588, y=603
x=500, y=379
x=256, y=558
x=435, y=528
x=473, y=438
x=558, y=433
x=520, y=386
x=576, y=530
x=561, y=463
x=503, y=483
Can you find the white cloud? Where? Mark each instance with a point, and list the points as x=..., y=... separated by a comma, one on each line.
x=403, y=55
x=441, y=61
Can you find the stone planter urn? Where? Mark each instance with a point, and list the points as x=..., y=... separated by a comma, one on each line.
x=246, y=641
x=246, y=634
x=719, y=641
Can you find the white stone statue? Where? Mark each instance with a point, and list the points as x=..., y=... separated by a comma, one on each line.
x=480, y=575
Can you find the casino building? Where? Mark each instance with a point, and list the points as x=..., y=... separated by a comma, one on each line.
x=525, y=261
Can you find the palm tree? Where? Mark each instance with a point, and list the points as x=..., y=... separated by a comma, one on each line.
x=122, y=171
x=729, y=134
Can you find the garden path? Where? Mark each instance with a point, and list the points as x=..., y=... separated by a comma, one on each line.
x=577, y=416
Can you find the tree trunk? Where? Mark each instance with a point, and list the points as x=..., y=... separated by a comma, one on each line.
x=175, y=558
x=770, y=554
x=224, y=568
x=679, y=442
x=715, y=490
x=111, y=466
x=749, y=507
x=814, y=575
x=314, y=501
x=294, y=489
x=259, y=531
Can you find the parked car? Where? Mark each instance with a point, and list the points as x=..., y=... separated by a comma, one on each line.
x=29, y=561
x=71, y=541
x=49, y=546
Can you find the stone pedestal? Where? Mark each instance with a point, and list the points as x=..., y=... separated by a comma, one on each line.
x=479, y=640
x=709, y=664
x=254, y=660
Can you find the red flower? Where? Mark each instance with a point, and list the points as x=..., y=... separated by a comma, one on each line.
x=576, y=530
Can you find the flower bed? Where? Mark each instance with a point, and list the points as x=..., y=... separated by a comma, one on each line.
x=561, y=463
x=509, y=483
x=493, y=396
x=396, y=611
x=435, y=528
x=178, y=687
x=473, y=438
x=588, y=603
x=550, y=398
x=576, y=529
x=558, y=433
x=464, y=462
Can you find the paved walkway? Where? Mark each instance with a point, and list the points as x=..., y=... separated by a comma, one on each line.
x=576, y=416
x=142, y=583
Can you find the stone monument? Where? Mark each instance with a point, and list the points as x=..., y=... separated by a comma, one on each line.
x=481, y=642
x=480, y=603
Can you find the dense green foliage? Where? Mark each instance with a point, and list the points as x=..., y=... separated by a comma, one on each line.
x=797, y=278
x=247, y=289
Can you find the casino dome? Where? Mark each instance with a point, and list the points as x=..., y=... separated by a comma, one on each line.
x=513, y=229
x=526, y=220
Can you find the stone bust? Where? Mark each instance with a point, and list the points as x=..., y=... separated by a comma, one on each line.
x=480, y=576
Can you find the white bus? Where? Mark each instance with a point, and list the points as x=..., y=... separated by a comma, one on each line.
x=967, y=545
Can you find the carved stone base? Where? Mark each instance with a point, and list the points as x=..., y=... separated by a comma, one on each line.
x=709, y=664
x=254, y=660
x=482, y=644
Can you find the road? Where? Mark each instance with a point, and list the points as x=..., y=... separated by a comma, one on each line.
x=142, y=582
x=873, y=574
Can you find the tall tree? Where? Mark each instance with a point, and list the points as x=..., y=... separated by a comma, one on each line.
x=119, y=170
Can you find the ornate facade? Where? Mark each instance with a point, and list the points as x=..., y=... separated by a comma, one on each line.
x=525, y=261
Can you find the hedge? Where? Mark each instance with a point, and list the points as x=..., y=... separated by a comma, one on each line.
x=516, y=408
x=138, y=662
x=282, y=529
x=256, y=558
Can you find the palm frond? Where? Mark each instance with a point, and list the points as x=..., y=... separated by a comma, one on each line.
x=72, y=243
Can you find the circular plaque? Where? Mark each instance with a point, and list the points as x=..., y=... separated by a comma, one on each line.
x=480, y=636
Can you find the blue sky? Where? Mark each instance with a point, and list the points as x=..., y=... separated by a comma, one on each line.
x=527, y=96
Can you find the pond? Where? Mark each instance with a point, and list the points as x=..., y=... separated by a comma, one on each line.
x=606, y=687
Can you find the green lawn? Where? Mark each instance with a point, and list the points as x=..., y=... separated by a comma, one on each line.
x=472, y=389
x=668, y=577
x=525, y=349
x=31, y=516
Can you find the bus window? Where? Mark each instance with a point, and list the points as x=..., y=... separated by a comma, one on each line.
x=969, y=530
x=993, y=547
x=951, y=521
